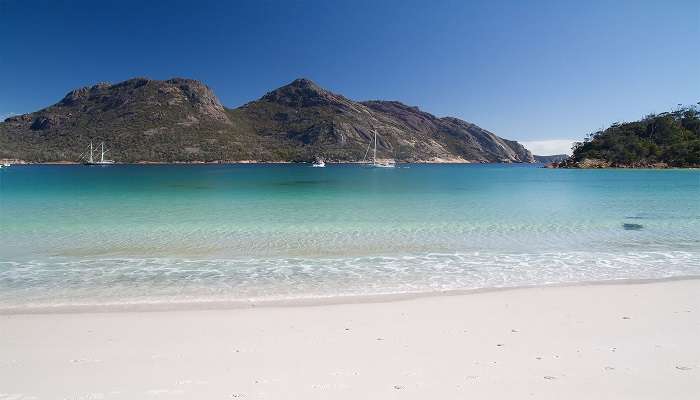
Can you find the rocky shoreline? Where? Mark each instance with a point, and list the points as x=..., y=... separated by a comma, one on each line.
x=198, y=162
x=585, y=164
x=22, y=162
x=593, y=163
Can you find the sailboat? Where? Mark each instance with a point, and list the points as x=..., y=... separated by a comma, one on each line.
x=319, y=163
x=375, y=163
x=102, y=161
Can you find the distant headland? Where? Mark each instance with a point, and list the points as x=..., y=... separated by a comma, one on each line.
x=666, y=140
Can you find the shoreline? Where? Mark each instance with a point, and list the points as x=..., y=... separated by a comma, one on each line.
x=421, y=162
x=576, y=342
x=21, y=162
x=303, y=302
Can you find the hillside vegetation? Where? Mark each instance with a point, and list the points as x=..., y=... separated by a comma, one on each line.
x=659, y=140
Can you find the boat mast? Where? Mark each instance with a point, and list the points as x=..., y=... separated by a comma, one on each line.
x=102, y=153
x=91, y=160
x=374, y=159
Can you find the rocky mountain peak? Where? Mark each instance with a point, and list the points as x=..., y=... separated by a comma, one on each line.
x=201, y=96
x=307, y=84
x=303, y=92
x=132, y=92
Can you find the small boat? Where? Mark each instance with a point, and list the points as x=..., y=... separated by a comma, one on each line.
x=90, y=159
x=319, y=163
x=385, y=164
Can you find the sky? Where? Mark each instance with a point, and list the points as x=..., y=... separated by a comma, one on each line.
x=545, y=73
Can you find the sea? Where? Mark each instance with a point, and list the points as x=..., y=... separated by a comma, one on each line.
x=74, y=236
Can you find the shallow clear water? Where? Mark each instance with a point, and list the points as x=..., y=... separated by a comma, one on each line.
x=75, y=235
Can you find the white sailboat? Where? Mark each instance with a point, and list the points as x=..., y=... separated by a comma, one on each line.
x=102, y=161
x=375, y=164
x=319, y=163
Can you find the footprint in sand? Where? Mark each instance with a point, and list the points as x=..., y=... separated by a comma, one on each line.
x=159, y=392
x=329, y=386
x=16, y=396
x=8, y=363
x=345, y=373
x=190, y=382
x=83, y=361
x=89, y=396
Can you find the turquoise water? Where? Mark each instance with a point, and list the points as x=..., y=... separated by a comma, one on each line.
x=76, y=235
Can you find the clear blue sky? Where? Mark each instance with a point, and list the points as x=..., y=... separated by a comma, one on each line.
x=526, y=70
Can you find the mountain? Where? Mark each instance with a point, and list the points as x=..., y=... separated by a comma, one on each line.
x=183, y=120
x=670, y=139
x=139, y=119
x=551, y=159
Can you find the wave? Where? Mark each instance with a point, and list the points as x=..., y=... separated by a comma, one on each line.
x=103, y=281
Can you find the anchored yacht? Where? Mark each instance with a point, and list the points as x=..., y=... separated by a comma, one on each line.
x=91, y=160
x=379, y=164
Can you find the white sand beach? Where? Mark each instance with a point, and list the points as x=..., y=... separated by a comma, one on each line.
x=622, y=341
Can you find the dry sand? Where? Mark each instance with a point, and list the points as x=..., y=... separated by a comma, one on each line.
x=627, y=341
